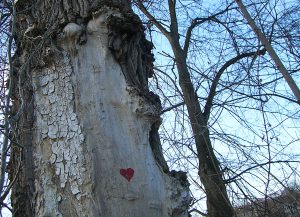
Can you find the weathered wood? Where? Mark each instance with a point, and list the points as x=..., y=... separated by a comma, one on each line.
x=93, y=119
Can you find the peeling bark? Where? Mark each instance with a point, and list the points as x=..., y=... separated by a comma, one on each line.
x=93, y=117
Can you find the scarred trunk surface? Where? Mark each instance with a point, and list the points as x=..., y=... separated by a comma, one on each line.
x=91, y=136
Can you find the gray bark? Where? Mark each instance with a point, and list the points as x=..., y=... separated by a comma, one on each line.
x=90, y=140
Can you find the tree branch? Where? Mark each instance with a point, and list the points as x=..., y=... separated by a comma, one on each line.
x=198, y=212
x=258, y=165
x=172, y=107
x=261, y=36
x=174, y=23
x=215, y=82
x=196, y=22
x=152, y=19
x=6, y=112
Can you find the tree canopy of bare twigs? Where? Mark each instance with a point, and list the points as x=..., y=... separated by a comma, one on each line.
x=6, y=54
x=245, y=103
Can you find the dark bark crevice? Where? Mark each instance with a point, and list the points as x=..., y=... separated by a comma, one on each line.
x=131, y=49
x=157, y=151
x=156, y=146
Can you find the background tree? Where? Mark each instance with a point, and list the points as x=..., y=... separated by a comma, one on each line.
x=6, y=47
x=216, y=75
x=82, y=123
x=281, y=204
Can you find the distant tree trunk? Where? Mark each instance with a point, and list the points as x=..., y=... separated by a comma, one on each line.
x=218, y=203
x=261, y=37
x=85, y=118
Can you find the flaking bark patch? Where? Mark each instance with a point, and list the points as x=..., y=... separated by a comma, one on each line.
x=60, y=140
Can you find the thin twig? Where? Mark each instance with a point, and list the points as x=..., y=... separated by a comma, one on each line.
x=7, y=106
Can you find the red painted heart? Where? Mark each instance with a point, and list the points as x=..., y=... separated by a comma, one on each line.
x=127, y=173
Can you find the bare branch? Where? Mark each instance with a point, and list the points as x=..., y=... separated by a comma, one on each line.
x=196, y=22
x=256, y=166
x=271, y=51
x=215, y=82
x=172, y=107
x=152, y=19
x=6, y=113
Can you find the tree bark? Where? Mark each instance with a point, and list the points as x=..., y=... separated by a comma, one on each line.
x=88, y=123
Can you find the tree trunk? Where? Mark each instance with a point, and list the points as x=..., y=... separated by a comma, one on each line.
x=218, y=204
x=88, y=123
